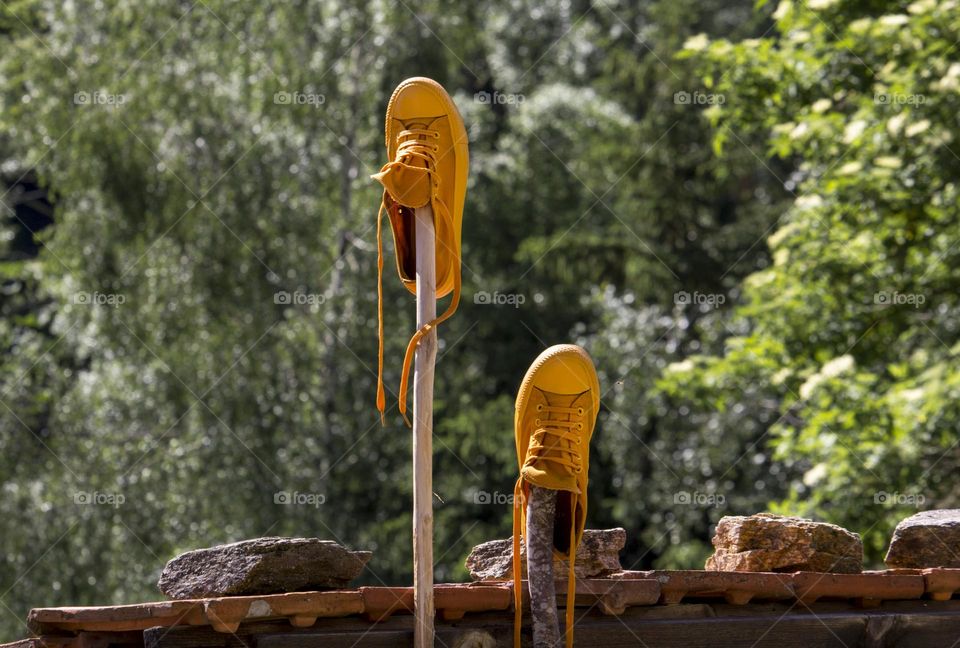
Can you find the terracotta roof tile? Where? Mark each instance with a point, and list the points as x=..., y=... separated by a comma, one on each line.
x=451, y=601
x=614, y=596
x=738, y=588
x=941, y=584
x=301, y=608
x=137, y=616
x=867, y=587
x=223, y=614
x=380, y=603
x=611, y=595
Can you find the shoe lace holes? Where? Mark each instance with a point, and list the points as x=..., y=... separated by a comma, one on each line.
x=539, y=408
x=537, y=422
x=579, y=411
x=579, y=426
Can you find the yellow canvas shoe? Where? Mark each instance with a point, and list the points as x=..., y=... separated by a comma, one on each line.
x=427, y=148
x=556, y=410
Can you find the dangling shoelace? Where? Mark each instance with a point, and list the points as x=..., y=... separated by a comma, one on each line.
x=567, y=443
x=415, y=143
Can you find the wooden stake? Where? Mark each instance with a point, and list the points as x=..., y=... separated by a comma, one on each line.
x=423, y=366
x=541, y=512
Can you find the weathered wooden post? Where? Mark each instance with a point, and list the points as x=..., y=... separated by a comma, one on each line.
x=423, y=430
x=427, y=172
x=541, y=512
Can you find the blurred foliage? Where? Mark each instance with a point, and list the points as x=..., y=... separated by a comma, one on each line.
x=147, y=359
x=850, y=338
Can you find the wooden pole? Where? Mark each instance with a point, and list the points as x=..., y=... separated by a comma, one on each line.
x=423, y=366
x=541, y=512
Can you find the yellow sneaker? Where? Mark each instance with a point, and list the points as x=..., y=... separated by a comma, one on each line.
x=556, y=410
x=427, y=148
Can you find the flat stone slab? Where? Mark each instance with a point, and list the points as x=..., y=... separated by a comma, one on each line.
x=597, y=555
x=269, y=565
x=775, y=543
x=927, y=539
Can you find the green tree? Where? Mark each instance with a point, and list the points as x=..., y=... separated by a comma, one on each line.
x=154, y=358
x=849, y=339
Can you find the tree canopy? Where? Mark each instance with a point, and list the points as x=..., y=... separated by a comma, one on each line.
x=849, y=338
x=746, y=214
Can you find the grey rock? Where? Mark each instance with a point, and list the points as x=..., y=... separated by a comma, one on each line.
x=775, y=543
x=598, y=555
x=261, y=566
x=927, y=539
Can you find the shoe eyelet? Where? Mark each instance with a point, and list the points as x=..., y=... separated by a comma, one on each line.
x=540, y=408
x=537, y=422
x=579, y=426
x=580, y=411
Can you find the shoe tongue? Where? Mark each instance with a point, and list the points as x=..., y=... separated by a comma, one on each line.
x=556, y=446
x=408, y=185
x=561, y=400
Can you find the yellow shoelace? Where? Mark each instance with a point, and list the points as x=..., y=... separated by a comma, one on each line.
x=564, y=440
x=415, y=144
